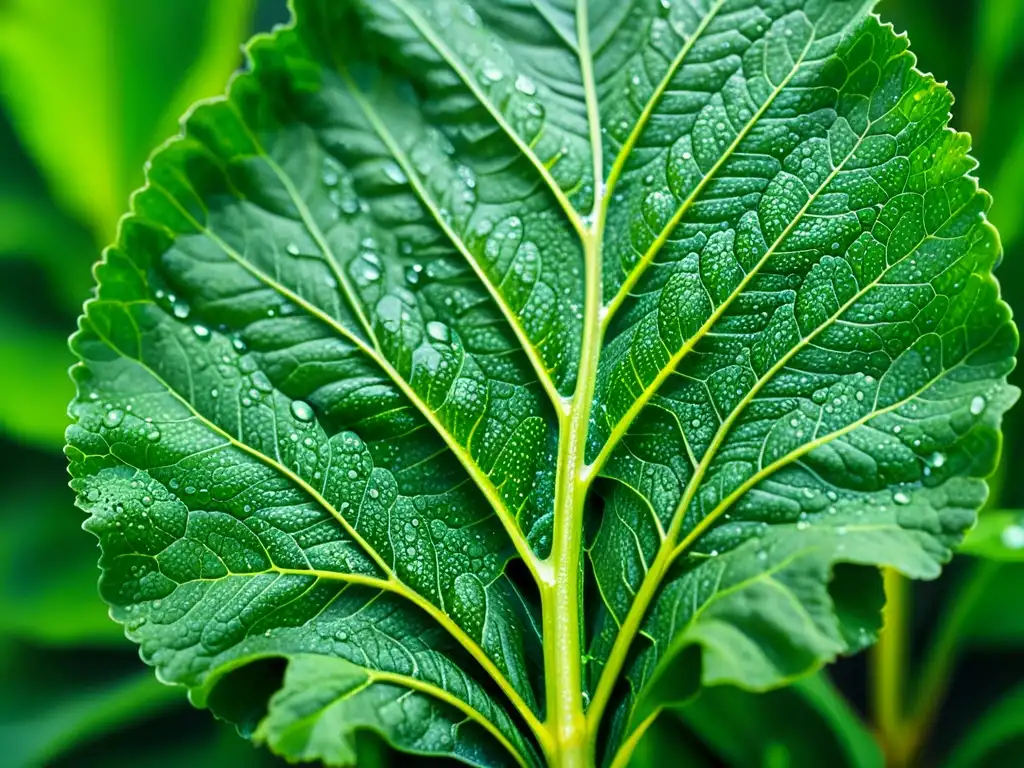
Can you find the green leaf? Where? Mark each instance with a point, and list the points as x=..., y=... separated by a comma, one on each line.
x=757, y=345
x=42, y=717
x=58, y=605
x=807, y=724
x=995, y=738
x=122, y=73
x=389, y=418
x=998, y=536
x=35, y=387
x=324, y=702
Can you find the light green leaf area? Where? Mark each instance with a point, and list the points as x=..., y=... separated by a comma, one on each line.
x=998, y=536
x=325, y=701
x=56, y=608
x=389, y=411
x=35, y=386
x=122, y=72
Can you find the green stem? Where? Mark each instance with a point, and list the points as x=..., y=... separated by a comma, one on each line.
x=561, y=593
x=888, y=666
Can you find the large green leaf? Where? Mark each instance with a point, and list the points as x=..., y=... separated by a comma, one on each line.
x=374, y=350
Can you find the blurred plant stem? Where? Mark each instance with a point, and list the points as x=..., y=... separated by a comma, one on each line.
x=888, y=671
x=903, y=727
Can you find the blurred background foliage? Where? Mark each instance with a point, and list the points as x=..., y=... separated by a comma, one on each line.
x=87, y=89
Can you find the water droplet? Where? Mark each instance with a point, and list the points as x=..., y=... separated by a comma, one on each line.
x=938, y=459
x=292, y=249
x=901, y=498
x=181, y=310
x=114, y=417
x=261, y=383
x=201, y=331
x=395, y=173
x=438, y=331
x=525, y=85
x=491, y=72
x=978, y=405
x=1013, y=537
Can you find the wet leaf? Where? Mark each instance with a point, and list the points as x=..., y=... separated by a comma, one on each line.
x=376, y=371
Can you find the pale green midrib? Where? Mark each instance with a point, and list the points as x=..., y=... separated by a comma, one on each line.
x=561, y=598
x=395, y=584
x=652, y=252
x=674, y=360
x=539, y=367
x=483, y=482
x=654, y=100
x=469, y=81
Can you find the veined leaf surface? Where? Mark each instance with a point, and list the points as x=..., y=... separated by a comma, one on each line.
x=499, y=460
